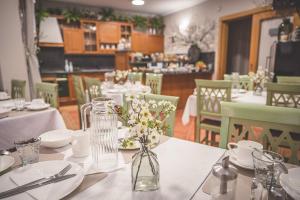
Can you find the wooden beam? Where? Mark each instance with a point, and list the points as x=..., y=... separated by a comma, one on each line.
x=222, y=49
x=46, y=44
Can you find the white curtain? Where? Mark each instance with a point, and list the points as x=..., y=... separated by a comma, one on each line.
x=27, y=14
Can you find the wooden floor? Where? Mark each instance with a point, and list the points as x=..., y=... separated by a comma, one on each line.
x=71, y=118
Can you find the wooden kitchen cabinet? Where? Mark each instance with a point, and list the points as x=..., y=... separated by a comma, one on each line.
x=139, y=42
x=155, y=43
x=145, y=43
x=73, y=40
x=122, y=60
x=109, y=32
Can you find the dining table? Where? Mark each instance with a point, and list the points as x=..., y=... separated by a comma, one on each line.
x=242, y=96
x=25, y=124
x=117, y=91
x=185, y=173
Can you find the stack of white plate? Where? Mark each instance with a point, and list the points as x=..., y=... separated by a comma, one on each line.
x=4, y=96
x=56, y=138
x=38, y=106
x=291, y=182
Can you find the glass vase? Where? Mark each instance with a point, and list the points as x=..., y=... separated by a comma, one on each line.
x=258, y=89
x=145, y=170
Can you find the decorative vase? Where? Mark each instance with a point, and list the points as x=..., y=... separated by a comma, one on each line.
x=284, y=30
x=145, y=170
x=258, y=89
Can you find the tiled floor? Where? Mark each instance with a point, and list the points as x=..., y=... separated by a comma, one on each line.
x=71, y=117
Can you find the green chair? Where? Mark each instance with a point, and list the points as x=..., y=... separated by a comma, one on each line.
x=93, y=85
x=277, y=128
x=245, y=81
x=18, y=88
x=289, y=79
x=284, y=95
x=154, y=81
x=169, y=123
x=49, y=92
x=209, y=95
x=135, y=76
x=79, y=90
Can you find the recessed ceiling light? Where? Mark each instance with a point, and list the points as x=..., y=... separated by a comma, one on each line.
x=138, y=2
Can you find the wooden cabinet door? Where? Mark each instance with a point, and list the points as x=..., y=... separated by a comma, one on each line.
x=155, y=43
x=109, y=32
x=139, y=42
x=73, y=40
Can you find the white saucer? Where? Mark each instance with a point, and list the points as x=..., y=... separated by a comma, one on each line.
x=6, y=162
x=38, y=107
x=136, y=145
x=234, y=161
x=291, y=182
x=56, y=138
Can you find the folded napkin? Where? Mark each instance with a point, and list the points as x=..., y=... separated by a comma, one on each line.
x=27, y=174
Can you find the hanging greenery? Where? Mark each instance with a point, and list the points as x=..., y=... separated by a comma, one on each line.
x=157, y=22
x=107, y=14
x=71, y=16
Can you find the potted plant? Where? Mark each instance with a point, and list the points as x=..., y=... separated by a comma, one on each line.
x=71, y=16
x=140, y=22
x=157, y=24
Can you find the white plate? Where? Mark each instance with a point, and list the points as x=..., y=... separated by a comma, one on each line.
x=38, y=107
x=4, y=112
x=234, y=161
x=56, y=138
x=6, y=162
x=291, y=182
x=136, y=145
x=5, y=98
x=38, y=170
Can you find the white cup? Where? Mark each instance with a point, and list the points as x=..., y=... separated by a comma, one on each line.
x=80, y=143
x=242, y=151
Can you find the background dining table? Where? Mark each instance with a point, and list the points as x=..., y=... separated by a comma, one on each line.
x=190, y=109
x=27, y=124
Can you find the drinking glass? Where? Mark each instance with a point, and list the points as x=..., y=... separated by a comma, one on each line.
x=19, y=103
x=235, y=81
x=268, y=166
x=28, y=150
x=109, y=79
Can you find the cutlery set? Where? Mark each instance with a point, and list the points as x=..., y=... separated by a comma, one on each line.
x=60, y=176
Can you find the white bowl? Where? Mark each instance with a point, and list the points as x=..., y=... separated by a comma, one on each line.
x=56, y=138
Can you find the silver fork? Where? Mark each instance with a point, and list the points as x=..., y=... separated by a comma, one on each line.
x=61, y=173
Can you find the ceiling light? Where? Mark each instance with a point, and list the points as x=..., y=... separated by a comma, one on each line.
x=138, y=2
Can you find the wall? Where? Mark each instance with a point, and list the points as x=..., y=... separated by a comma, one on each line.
x=202, y=17
x=12, y=56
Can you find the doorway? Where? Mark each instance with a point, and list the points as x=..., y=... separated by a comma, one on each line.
x=239, y=37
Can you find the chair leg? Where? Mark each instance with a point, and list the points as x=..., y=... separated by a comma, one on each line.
x=205, y=139
x=213, y=138
x=197, y=130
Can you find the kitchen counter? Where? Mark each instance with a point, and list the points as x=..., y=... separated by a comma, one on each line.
x=62, y=72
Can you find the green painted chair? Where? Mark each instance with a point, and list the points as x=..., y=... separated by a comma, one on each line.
x=277, y=128
x=135, y=76
x=284, y=95
x=154, y=81
x=245, y=81
x=18, y=88
x=289, y=79
x=169, y=123
x=48, y=92
x=93, y=85
x=79, y=90
x=209, y=95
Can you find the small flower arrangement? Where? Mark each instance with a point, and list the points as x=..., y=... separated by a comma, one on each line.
x=120, y=76
x=260, y=78
x=145, y=124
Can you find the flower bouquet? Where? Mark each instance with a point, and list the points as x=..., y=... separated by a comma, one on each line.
x=259, y=79
x=120, y=76
x=145, y=120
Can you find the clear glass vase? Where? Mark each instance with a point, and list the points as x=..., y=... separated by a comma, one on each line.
x=145, y=170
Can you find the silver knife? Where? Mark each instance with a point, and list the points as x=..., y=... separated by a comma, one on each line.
x=19, y=190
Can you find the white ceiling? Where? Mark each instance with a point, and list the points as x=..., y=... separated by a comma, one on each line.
x=159, y=7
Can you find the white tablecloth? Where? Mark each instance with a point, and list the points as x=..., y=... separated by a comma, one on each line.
x=28, y=124
x=184, y=166
x=190, y=108
x=117, y=92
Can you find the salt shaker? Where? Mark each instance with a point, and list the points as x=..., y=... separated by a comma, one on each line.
x=224, y=180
